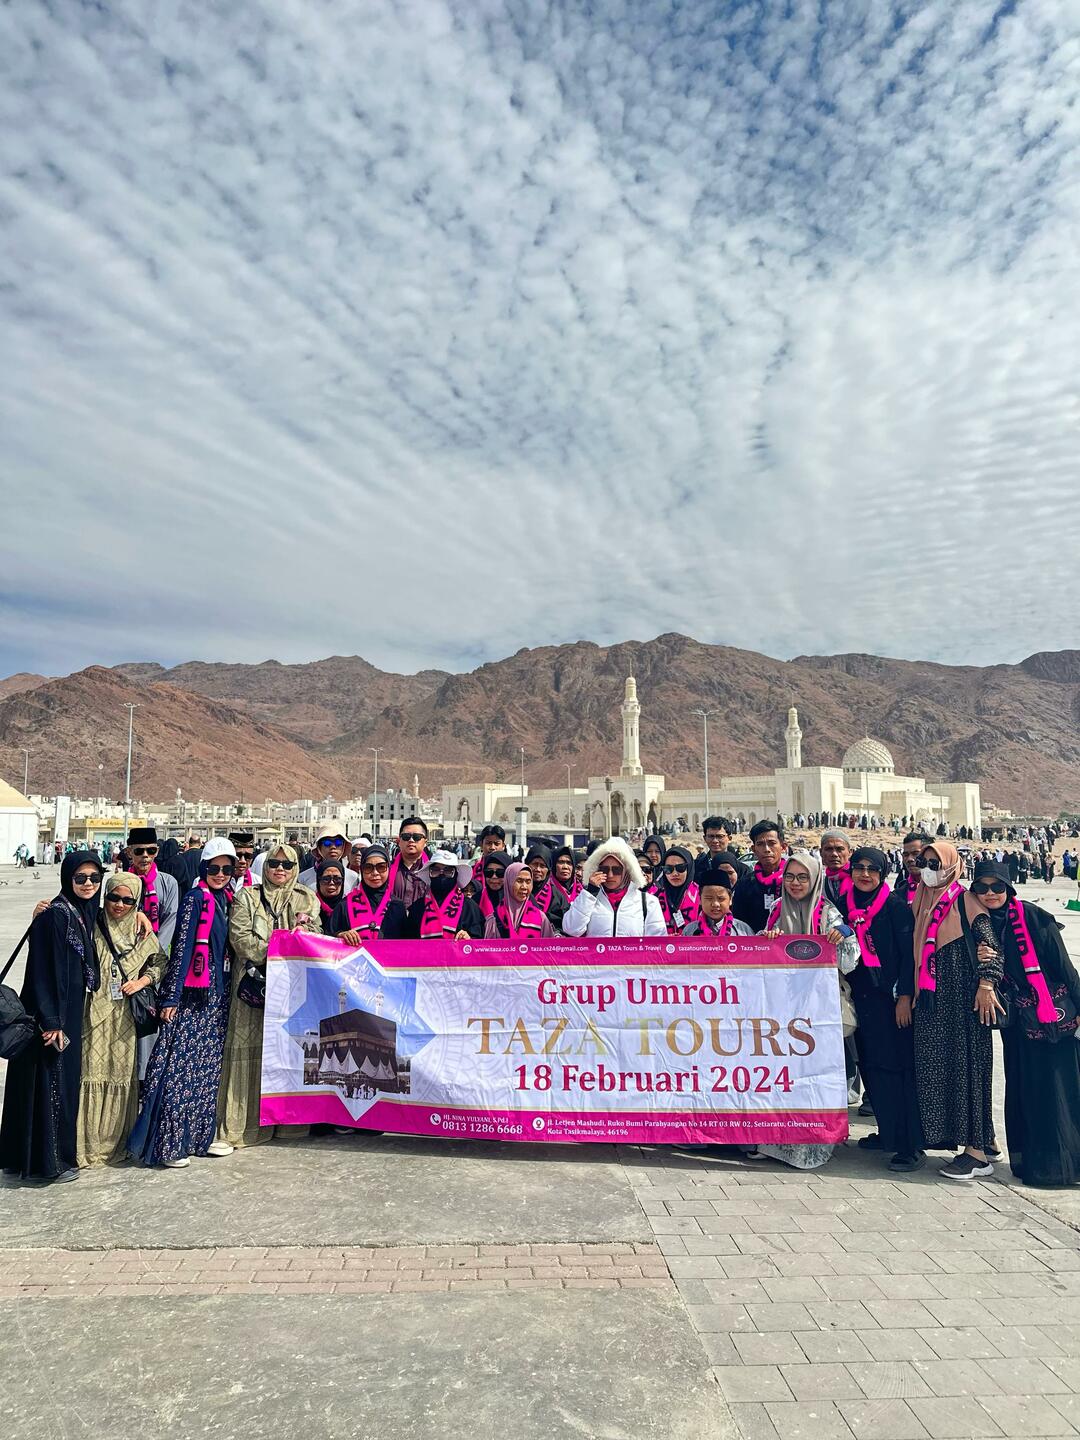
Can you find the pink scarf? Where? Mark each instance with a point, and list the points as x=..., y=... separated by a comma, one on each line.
x=530, y=920
x=860, y=919
x=246, y=881
x=677, y=920
x=911, y=884
x=771, y=884
x=542, y=898
x=570, y=895
x=1045, y=1009
x=199, y=966
x=721, y=931
x=846, y=886
x=815, y=919
x=927, y=976
x=360, y=914
x=438, y=920
x=150, y=907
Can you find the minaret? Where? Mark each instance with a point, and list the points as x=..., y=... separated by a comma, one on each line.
x=631, y=714
x=793, y=736
x=342, y=998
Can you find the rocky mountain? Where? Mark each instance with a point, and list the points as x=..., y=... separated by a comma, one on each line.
x=16, y=684
x=291, y=730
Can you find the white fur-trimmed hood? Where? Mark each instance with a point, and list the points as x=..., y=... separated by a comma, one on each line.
x=621, y=851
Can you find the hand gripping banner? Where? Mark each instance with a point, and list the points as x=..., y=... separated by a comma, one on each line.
x=654, y=1041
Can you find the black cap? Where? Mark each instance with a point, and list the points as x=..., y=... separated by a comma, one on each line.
x=142, y=835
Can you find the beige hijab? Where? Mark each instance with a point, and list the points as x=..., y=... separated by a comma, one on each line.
x=797, y=916
x=278, y=896
x=123, y=933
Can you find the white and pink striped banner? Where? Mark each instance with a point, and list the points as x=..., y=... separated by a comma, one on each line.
x=656, y=1041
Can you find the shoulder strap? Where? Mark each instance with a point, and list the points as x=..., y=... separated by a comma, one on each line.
x=644, y=906
x=112, y=948
x=14, y=953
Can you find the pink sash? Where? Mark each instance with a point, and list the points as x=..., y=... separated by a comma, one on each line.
x=689, y=908
x=570, y=895
x=846, y=886
x=1046, y=1010
x=438, y=920
x=199, y=967
x=927, y=977
x=771, y=884
x=531, y=920
x=815, y=919
x=860, y=920
x=721, y=931
x=150, y=907
x=359, y=912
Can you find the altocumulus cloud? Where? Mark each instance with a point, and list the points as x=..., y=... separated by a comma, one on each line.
x=601, y=319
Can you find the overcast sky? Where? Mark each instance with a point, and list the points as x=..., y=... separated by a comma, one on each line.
x=428, y=330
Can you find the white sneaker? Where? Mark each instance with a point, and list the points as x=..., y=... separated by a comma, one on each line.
x=177, y=1164
x=220, y=1147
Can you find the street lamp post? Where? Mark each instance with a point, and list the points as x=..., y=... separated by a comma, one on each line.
x=568, y=769
x=705, y=725
x=375, y=802
x=127, y=784
x=26, y=769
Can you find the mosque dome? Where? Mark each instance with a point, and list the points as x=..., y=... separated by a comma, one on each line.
x=867, y=754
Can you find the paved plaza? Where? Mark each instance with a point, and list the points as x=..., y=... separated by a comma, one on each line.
x=382, y=1286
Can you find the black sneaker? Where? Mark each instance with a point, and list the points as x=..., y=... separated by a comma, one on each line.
x=870, y=1142
x=905, y=1163
x=966, y=1167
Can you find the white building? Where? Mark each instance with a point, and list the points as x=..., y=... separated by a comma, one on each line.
x=18, y=824
x=865, y=781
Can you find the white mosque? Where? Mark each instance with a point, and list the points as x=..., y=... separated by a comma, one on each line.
x=629, y=799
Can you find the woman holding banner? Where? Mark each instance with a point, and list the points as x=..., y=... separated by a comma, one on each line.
x=278, y=903
x=804, y=910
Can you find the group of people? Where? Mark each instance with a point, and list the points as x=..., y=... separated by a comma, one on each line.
x=926, y=970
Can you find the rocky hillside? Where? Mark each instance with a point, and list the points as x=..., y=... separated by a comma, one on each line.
x=290, y=730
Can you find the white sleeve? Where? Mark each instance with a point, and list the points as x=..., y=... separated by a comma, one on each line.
x=654, y=917
x=576, y=920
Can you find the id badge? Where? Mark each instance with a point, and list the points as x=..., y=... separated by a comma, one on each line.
x=115, y=993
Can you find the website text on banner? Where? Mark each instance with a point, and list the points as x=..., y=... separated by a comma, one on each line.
x=631, y=1041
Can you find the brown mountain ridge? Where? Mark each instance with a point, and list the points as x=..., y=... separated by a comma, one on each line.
x=222, y=730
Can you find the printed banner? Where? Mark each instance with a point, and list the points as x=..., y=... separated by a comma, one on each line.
x=648, y=1041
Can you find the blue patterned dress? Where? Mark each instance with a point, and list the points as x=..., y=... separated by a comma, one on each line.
x=179, y=1102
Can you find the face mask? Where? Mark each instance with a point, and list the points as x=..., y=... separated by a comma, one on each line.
x=932, y=878
x=441, y=885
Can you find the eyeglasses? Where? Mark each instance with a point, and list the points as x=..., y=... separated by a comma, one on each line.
x=794, y=879
x=245, y=854
x=864, y=870
x=331, y=842
x=416, y=835
x=674, y=869
x=989, y=887
x=144, y=849
x=931, y=862
x=219, y=869
x=609, y=869
x=280, y=864
x=124, y=900
x=87, y=877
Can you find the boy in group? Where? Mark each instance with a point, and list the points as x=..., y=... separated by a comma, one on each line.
x=715, y=889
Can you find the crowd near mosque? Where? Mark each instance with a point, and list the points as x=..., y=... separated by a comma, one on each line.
x=139, y=1034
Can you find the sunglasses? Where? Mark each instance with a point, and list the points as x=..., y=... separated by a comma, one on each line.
x=280, y=864
x=494, y=874
x=331, y=844
x=645, y=867
x=441, y=872
x=931, y=864
x=674, y=869
x=374, y=865
x=144, y=849
x=357, y=850
x=86, y=877
x=219, y=869
x=245, y=854
x=414, y=835
x=609, y=869
x=331, y=882
x=124, y=900
x=989, y=887
x=864, y=870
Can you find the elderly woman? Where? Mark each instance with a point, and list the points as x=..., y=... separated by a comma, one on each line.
x=178, y=1115
x=127, y=961
x=956, y=1003
x=803, y=909
x=1042, y=1058
x=278, y=902
x=41, y=1096
x=613, y=900
x=517, y=917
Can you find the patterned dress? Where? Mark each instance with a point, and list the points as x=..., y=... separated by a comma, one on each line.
x=179, y=1109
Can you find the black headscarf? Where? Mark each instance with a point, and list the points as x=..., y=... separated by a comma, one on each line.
x=675, y=892
x=373, y=895
x=992, y=870
x=655, y=840
x=86, y=911
x=500, y=857
x=871, y=855
x=325, y=868
x=538, y=852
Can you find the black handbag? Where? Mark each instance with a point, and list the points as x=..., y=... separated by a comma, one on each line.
x=144, y=1003
x=17, y=1027
x=251, y=987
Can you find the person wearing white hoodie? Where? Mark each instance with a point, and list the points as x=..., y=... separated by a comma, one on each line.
x=614, y=900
